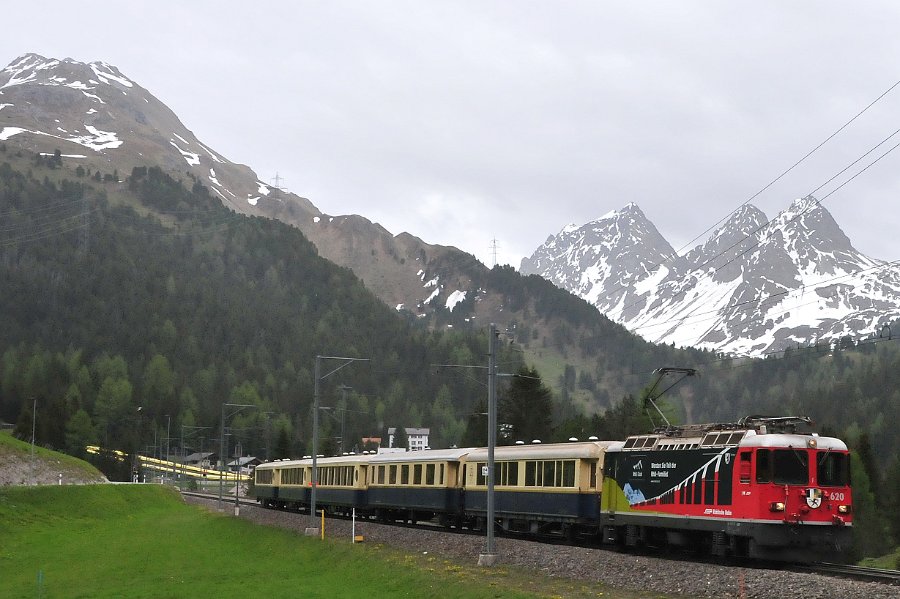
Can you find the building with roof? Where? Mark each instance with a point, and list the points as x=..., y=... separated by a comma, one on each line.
x=416, y=438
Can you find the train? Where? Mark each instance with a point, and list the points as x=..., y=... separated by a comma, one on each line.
x=759, y=488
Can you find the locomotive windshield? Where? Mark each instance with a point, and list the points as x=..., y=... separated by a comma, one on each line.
x=832, y=469
x=782, y=466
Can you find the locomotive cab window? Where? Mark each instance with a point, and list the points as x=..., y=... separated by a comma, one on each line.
x=832, y=469
x=791, y=467
x=782, y=466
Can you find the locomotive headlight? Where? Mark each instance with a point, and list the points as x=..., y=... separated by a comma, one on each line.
x=776, y=506
x=844, y=509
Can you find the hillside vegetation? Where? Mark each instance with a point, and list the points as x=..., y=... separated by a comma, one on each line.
x=19, y=466
x=134, y=310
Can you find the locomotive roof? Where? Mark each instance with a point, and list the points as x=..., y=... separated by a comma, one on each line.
x=539, y=451
x=793, y=441
x=759, y=424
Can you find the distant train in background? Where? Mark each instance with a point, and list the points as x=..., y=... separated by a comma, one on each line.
x=757, y=488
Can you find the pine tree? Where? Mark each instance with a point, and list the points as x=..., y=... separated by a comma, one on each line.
x=400, y=437
x=282, y=445
x=527, y=407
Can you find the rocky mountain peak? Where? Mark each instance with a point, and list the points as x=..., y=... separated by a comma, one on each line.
x=102, y=120
x=753, y=286
x=38, y=70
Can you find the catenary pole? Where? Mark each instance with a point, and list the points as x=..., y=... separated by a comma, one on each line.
x=492, y=434
x=314, y=483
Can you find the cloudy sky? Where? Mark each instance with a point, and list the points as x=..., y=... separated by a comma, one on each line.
x=463, y=122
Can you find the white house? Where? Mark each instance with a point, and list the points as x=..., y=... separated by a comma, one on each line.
x=417, y=438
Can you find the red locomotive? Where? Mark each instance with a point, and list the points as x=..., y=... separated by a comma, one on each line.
x=757, y=488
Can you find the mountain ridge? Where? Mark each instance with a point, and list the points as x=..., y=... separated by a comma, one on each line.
x=439, y=287
x=95, y=113
x=742, y=291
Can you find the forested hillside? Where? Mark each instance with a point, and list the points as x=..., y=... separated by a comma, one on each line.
x=177, y=305
x=134, y=310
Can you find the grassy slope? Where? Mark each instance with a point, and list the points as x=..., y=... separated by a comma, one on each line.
x=142, y=541
x=891, y=561
x=13, y=451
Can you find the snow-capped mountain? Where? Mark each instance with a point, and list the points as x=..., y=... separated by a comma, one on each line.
x=92, y=111
x=99, y=118
x=753, y=287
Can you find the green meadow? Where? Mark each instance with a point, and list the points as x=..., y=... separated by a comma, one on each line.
x=142, y=541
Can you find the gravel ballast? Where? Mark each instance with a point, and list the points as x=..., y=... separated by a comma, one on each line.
x=637, y=573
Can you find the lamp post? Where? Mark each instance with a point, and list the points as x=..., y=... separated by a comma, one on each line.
x=315, y=448
x=238, y=407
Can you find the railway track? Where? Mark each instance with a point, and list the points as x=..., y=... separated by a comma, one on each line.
x=226, y=499
x=861, y=573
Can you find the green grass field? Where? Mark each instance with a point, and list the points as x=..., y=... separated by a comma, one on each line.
x=142, y=541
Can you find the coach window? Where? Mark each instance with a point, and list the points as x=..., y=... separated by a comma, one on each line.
x=404, y=474
x=480, y=479
x=549, y=468
x=441, y=475
x=429, y=474
x=568, y=479
x=745, y=466
x=531, y=474
x=417, y=474
x=512, y=474
x=392, y=474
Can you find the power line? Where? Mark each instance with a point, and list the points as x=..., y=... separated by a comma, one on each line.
x=756, y=233
x=793, y=166
x=653, y=268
